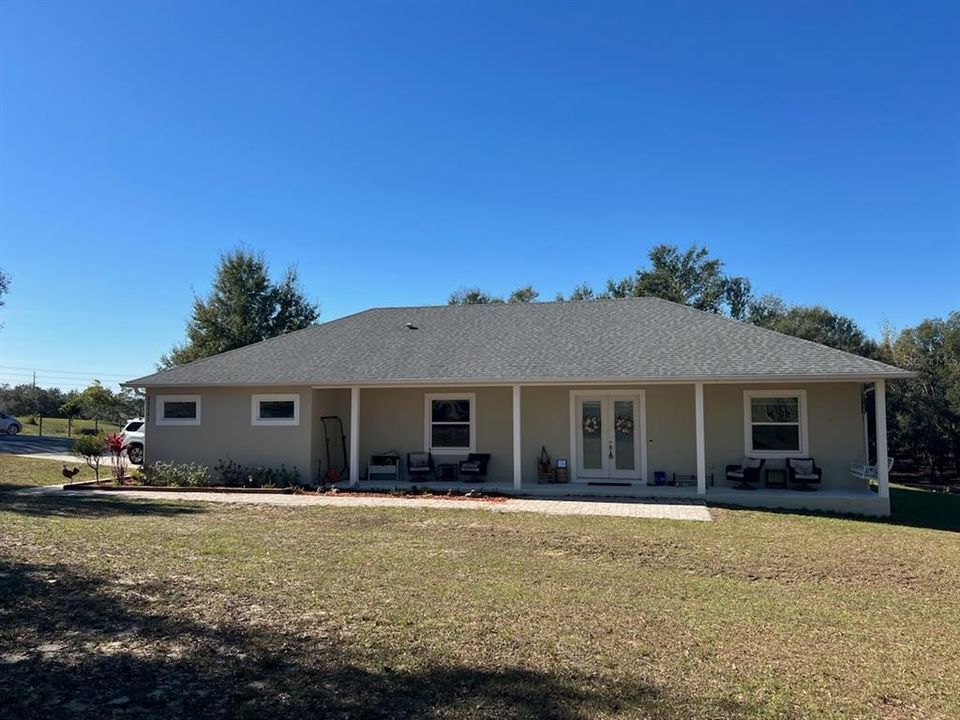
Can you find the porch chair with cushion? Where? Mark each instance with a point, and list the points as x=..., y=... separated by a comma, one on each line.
x=420, y=465
x=803, y=472
x=746, y=473
x=474, y=468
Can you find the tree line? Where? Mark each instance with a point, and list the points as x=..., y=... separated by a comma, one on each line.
x=96, y=401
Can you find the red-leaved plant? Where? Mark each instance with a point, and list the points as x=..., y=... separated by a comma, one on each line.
x=118, y=461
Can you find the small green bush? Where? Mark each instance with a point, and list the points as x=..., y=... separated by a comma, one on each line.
x=88, y=445
x=231, y=474
x=176, y=474
x=90, y=448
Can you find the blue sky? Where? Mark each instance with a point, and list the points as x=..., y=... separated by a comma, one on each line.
x=397, y=151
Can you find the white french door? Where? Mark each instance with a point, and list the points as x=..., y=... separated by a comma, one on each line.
x=608, y=429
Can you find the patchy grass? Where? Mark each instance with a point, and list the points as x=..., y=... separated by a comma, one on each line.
x=166, y=609
x=57, y=427
x=25, y=472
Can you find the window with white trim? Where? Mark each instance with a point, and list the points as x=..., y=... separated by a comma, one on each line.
x=276, y=409
x=775, y=423
x=178, y=409
x=450, y=423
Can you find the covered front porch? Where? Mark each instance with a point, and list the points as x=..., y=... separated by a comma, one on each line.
x=668, y=440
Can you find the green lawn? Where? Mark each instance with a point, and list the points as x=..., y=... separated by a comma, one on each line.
x=57, y=427
x=25, y=472
x=209, y=610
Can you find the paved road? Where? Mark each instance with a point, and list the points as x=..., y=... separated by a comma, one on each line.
x=26, y=445
x=44, y=448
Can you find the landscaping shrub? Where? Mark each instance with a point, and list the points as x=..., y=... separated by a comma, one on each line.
x=176, y=474
x=89, y=448
x=113, y=442
x=232, y=474
x=225, y=474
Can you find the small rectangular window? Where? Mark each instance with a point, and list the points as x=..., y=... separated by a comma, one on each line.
x=178, y=410
x=275, y=410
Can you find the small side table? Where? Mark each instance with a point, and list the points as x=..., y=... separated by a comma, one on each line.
x=776, y=478
x=448, y=471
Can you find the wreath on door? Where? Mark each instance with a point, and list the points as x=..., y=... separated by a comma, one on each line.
x=591, y=425
x=624, y=425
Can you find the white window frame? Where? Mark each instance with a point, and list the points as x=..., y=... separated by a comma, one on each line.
x=428, y=423
x=162, y=400
x=801, y=397
x=255, y=401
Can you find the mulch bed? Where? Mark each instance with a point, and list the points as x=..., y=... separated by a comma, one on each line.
x=109, y=485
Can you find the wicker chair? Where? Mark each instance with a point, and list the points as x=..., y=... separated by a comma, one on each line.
x=420, y=464
x=803, y=472
x=746, y=473
x=475, y=467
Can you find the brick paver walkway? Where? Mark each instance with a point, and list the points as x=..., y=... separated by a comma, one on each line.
x=668, y=510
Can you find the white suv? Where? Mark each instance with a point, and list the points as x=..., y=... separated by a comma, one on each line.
x=9, y=424
x=133, y=439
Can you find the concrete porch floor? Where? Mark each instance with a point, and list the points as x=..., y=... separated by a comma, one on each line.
x=852, y=501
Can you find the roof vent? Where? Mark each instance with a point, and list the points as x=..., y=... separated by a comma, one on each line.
x=411, y=326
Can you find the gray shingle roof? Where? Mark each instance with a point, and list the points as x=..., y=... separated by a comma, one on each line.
x=642, y=339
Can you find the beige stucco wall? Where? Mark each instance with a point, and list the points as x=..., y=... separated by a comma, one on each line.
x=834, y=420
x=671, y=437
x=544, y=422
x=226, y=431
x=393, y=419
x=671, y=446
x=835, y=427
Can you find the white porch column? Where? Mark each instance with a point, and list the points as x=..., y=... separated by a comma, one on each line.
x=880, y=404
x=517, y=464
x=354, y=436
x=701, y=441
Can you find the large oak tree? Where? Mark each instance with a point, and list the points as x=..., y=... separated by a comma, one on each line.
x=244, y=306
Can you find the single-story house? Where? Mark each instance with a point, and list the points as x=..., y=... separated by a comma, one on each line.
x=639, y=397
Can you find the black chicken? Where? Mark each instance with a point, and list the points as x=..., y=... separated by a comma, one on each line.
x=69, y=474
